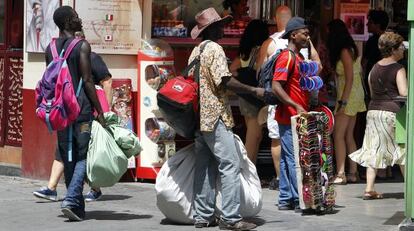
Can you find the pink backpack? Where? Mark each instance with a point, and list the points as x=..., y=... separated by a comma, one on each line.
x=56, y=102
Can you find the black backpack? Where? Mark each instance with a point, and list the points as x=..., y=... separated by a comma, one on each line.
x=265, y=77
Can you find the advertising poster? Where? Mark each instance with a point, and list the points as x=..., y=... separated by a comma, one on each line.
x=354, y=14
x=356, y=24
x=40, y=27
x=111, y=27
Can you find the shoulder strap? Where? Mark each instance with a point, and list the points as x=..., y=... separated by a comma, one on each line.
x=195, y=61
x=53, y=49
x=69, y=49
x=292, y=69
x=253, y=58
x=198, y=64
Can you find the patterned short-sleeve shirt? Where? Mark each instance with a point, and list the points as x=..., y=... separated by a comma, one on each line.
x=214, y=102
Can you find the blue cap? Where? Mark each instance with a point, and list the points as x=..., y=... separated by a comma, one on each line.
x=294, y=23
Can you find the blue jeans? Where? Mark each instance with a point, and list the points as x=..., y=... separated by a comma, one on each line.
x=288, y=188
x=75, y=171
x=216, y=153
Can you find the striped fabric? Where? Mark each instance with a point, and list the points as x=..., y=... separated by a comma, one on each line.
x=379, y=148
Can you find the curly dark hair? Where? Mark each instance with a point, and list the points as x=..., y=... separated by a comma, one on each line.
x=254, y=35
x=338, y=39
x=66, y=18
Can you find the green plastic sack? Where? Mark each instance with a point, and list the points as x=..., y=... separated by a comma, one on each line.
x=106, y=163
x=125, y=138
x=400, y=126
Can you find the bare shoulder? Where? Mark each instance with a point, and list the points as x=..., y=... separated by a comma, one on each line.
x=85, y=47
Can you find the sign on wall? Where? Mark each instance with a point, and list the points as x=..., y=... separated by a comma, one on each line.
x=111, y=27
x=40, y=27
x=354, y=14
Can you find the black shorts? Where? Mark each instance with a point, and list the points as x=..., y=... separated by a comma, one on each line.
x=80, y=142
x=58, y=157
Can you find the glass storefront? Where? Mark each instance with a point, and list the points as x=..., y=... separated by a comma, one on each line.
x=176, y=18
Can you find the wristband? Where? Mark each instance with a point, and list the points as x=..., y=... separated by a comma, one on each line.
x=342, y=102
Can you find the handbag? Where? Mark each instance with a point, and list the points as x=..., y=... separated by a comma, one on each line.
x=247, y=75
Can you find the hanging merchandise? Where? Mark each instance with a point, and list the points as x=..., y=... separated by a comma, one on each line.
x=309, y=81
x=313, y=154
x=122, y=101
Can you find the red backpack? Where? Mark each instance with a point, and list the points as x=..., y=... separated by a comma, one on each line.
x=178, y=100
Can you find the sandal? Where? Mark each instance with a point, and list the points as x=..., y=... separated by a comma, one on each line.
x=372, y=195
x=353, y=177
x=340, y=179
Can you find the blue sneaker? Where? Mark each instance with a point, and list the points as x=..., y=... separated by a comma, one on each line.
x=46, y=193
x=93, y=196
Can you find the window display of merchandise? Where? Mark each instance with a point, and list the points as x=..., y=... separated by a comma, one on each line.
x=176, y=18
x=314, y=153
x=169, y=28
x=167, y=19
x=156, y=48
x=236, y=28
x=158, y=130
x=156, y=67
x=157, y=75
x=122, y=104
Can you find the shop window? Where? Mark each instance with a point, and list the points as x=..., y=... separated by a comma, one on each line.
x=2, y=21
x=176, y=18
x=15, y=29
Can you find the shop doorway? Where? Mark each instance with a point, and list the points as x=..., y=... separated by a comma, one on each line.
x=11, y=72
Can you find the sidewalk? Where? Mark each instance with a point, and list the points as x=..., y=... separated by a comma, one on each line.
x=132, y=206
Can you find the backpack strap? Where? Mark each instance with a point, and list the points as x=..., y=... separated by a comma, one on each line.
x=253, y=57
x=292, y=69
x=195, y=62
x=69, y=49
x=198, y=64
x=53, y=49
x=294, y=63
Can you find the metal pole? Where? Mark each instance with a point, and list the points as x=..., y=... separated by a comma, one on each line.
x=408, y=224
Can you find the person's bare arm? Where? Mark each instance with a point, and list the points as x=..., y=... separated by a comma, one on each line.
x=89, y=86
x=236, y=64
x=369, y=84
x=315, y=56
x=266, y=50
x=348, y=62
x=401, y=80
x=107, y=86
x=234, y=85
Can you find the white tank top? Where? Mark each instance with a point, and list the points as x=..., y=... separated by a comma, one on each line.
x=283, y=43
